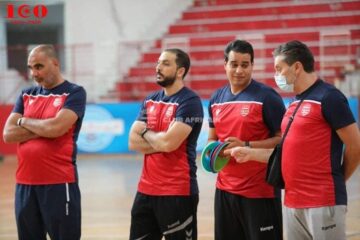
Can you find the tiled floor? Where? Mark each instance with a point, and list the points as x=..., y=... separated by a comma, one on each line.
x=108, y=185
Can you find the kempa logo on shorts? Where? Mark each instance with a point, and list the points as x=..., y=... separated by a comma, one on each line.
x=305, y=109
x=57, y=102
x=245, y=110
x=217, y=112
x=328, y=227
x=268, y=228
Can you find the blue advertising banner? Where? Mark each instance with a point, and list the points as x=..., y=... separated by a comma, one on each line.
x=354, y=105
x=106, y=127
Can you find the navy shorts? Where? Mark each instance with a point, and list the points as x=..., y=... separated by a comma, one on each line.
x=173, y=217
x=48, y=209
x=237, y=217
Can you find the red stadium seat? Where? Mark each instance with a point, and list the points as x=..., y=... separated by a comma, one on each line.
x=210, y=24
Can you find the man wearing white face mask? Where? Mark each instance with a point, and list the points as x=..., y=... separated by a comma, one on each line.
x=282, y=83
x=314, y=165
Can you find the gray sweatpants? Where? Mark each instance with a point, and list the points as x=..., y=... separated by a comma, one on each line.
x=323, y=223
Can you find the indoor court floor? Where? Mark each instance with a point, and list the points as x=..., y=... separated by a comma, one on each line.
x=108, y=184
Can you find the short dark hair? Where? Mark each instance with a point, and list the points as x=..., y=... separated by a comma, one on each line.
x=239, y=46
x=182, y=59
x=48, y=49
x=295, y=51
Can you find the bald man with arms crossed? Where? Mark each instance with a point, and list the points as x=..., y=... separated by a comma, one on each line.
x=45, y=122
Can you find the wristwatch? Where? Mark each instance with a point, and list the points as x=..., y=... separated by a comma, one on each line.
x=142, y=133
x=19, y=122
x=247, y=144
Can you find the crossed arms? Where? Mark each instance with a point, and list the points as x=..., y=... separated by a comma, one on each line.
x=152, y=142
x=33, y=128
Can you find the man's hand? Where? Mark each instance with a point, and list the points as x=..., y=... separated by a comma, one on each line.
x=136, y=142
x=234, y=142
x=241, y=154
x=13, y=133
x=244, y=154
x=51, y=127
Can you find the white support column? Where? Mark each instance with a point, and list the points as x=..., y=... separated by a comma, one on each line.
x=335, y=50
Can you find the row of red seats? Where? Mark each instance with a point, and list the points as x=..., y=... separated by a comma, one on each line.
x=280, y=8
x=205, y=41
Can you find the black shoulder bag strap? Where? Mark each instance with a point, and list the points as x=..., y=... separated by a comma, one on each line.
x=291, y=119
x=273, y=172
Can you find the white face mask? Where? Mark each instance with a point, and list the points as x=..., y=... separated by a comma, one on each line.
x=282, y=84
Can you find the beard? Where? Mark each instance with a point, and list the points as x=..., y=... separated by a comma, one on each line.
x=168, y=81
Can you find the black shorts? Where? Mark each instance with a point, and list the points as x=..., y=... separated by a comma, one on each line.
x=54, y=209
x=237, y=217
x=173, y=217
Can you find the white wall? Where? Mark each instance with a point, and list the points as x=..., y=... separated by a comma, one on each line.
x=128, y=20
x=10, y=80
x=350, y=86
x=118, y=30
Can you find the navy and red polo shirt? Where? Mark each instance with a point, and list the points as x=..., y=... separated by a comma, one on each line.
x=49, y=160
x=312, y=151
x=171, y=173
x=253, y=114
